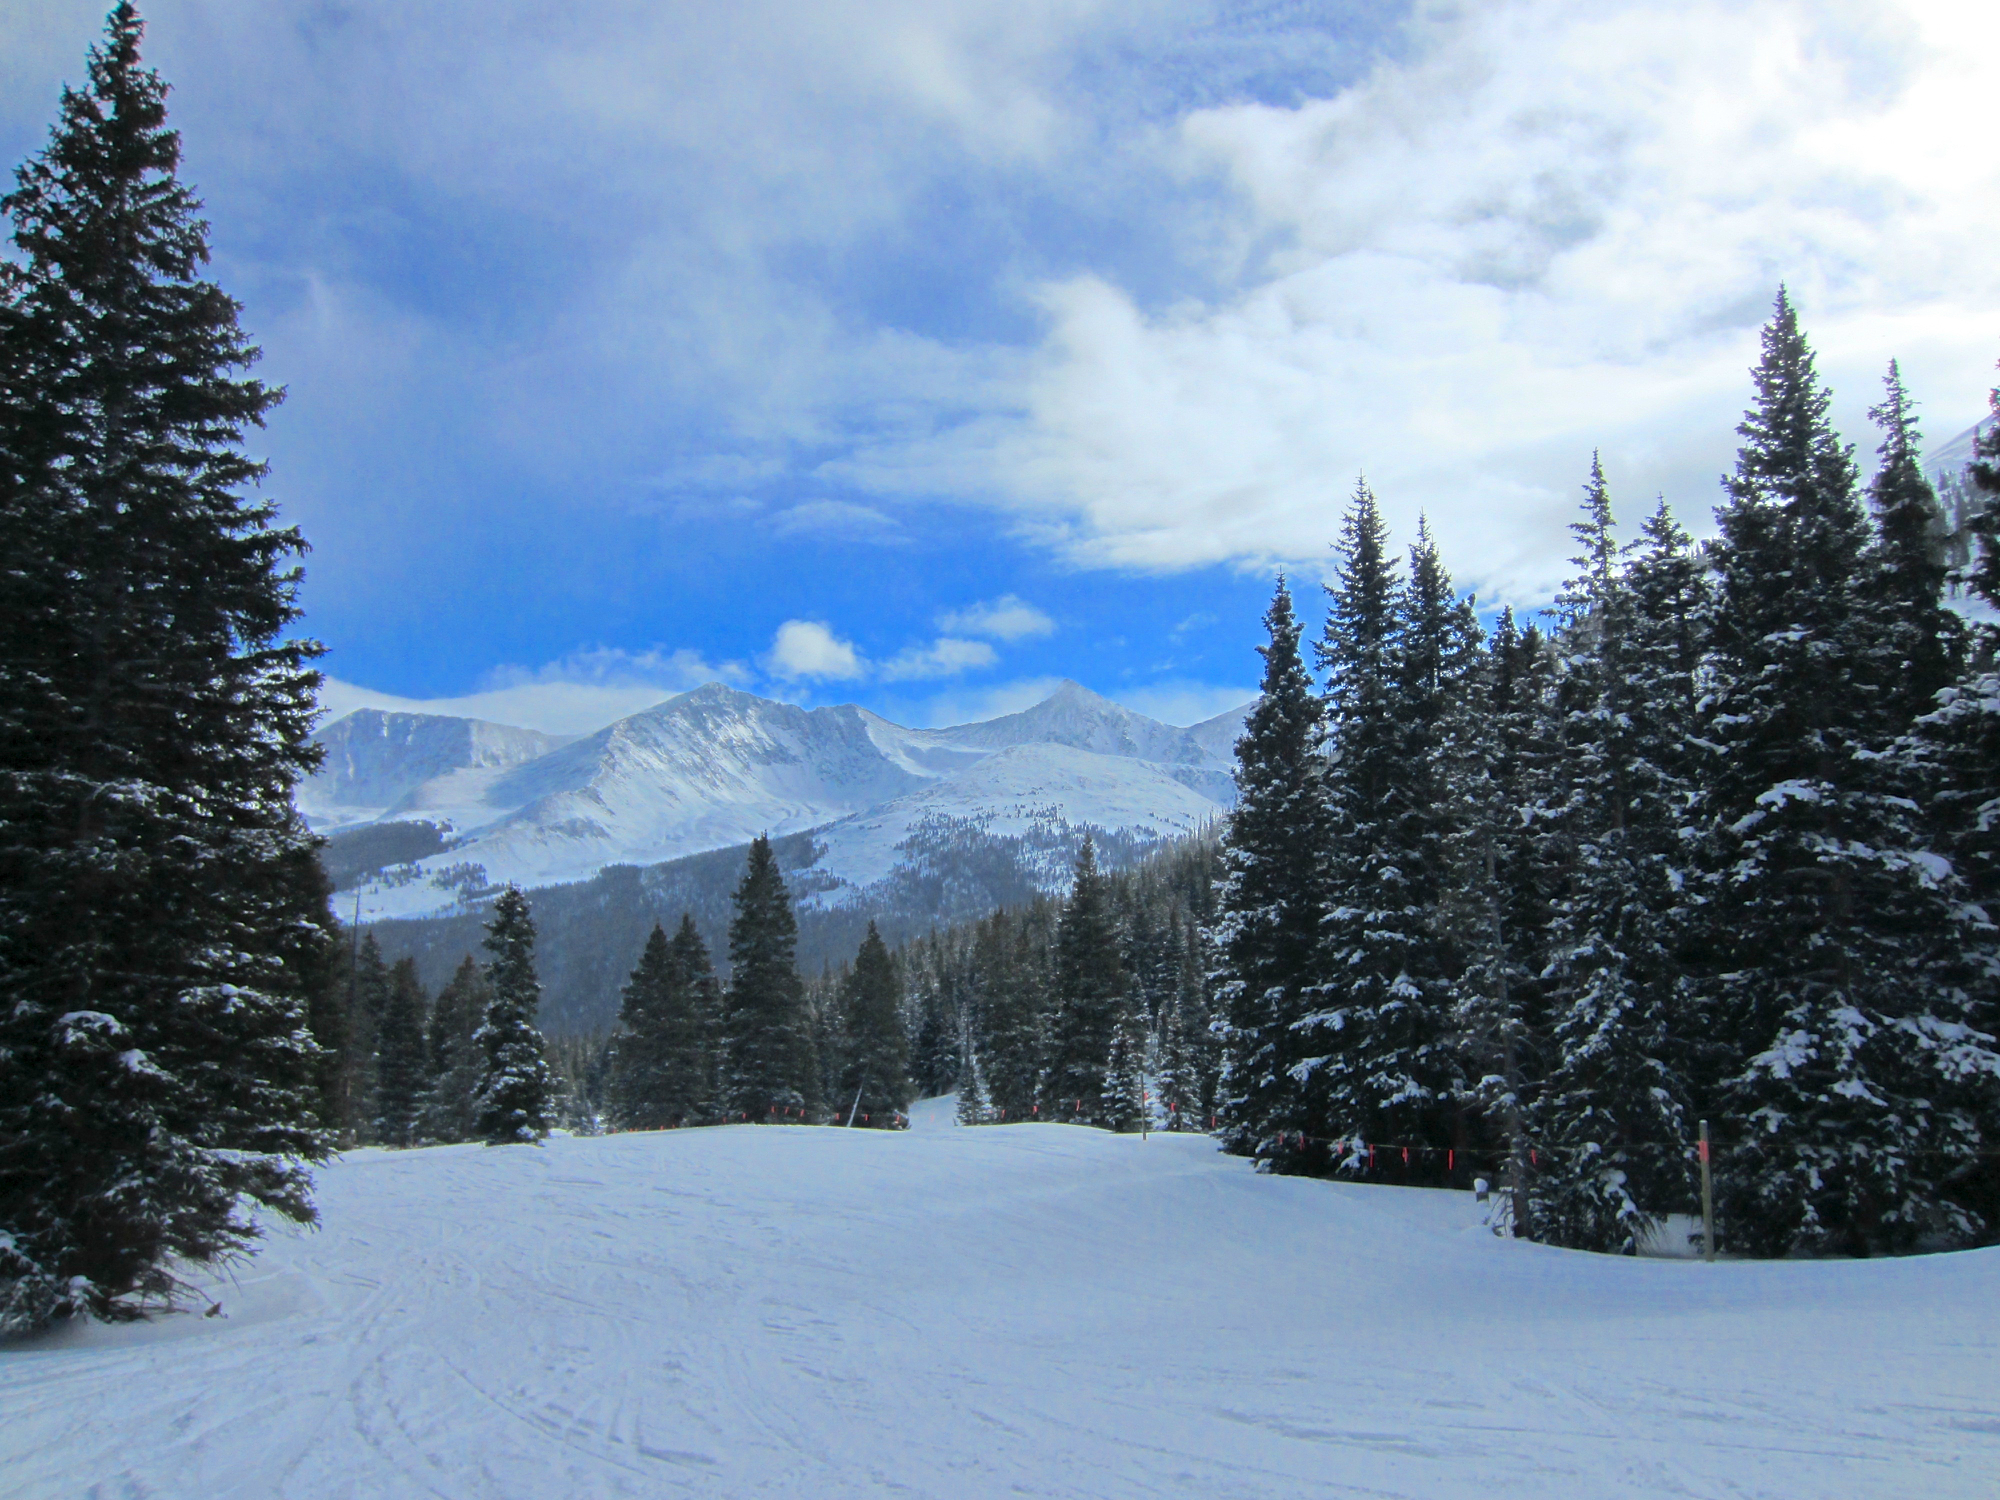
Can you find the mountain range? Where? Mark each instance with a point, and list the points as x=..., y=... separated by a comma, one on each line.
x=453, y=808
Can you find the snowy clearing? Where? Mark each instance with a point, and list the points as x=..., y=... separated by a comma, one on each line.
x=1027, y=1309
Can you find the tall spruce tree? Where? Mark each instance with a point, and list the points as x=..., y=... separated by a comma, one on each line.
x=1090, y=991
x=1611, y=1118
x=773, y=1073
x=517, y=1088
x=1395, y=1075
x=877, y=1077
x=1503, y=819
x=1270, y=899
x=156, y=1070
x=402, y=1066
x=1840, y=951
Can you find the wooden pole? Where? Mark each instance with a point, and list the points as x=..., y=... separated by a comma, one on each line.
x=1707, y=1201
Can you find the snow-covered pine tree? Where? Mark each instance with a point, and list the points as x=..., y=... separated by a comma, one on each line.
x=451, y=1111
x=975, y=1104
x=517, y=1088
x=156, y=1070
x=1090, y=989
x=772, y=1070
x=1270, y=899
x=878, y=1049
x=402, y=1068
x=1124, y=1089
x=1503, y=817
x=1394, y=686
x=1610, y=1120
x=1920, y=641
x=1841, y=949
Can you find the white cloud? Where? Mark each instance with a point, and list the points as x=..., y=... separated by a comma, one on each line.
x=578, y=694
x=1007, y=618
x=1183, y=703
x=1556, y=226
x=944, y=657
x=836, y=518
x=809, y=649
x=973, y=706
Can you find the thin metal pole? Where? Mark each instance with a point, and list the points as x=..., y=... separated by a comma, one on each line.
x=857, y=1107
x=1707, y=1200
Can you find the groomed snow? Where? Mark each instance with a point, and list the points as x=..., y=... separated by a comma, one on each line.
x=1031, y=1310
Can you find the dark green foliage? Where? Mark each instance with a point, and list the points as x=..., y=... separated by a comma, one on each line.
x=1840, y=956
x=367, y=994
x=1089, y=995
x=1271, y=899
x=1390, y=964
x=877, y=1077
x=1124, y=1089
x=772, y=1069
x=457, y=1062
x=517, y=1089
x=1902, y=581
x=159, y=927
x=663, y=1063
x=402, y=1063
x=1611, y=1117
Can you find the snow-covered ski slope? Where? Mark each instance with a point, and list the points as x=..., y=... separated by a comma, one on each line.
x=1033, y=1310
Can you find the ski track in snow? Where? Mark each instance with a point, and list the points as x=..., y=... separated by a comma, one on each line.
x=1013, y=1310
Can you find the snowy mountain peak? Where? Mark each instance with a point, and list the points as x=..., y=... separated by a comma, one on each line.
x=715, y=766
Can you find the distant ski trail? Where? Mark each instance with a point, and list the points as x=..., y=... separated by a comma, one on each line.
x=941, y=1312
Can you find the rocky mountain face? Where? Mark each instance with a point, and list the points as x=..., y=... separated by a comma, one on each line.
x=712, y=768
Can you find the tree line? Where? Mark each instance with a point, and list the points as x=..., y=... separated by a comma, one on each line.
x=689, y=1048
x=1719, y=844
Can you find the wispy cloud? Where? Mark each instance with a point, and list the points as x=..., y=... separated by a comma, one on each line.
x=944, y=657
x=1007, y=618
x=577, y=694
x=840, y=519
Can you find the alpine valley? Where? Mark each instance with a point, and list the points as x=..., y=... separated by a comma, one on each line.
x=427, y=817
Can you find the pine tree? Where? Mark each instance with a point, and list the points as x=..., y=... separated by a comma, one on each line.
x=1090, y=988
x=1012, y=1000
x=367, y=1000
x=1904, y=576
x=1503, y=811
x=1124, y=1087
x=1839, y=950
x=1397, y=686
x=661, y=1069
x=156, y=1070
x=1270, y=898
x=402, y=1066
x=878, y=1067
x=517, y=1089
x=457, y=1062
x=773, y=1073
x=1611, y=1119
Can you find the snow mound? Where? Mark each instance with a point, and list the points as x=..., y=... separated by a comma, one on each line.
x=1004, y=1310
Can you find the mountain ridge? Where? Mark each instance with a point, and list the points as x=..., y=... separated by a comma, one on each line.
x=716, y=766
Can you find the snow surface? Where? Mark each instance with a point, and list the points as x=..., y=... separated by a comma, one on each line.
x=1037, y=1310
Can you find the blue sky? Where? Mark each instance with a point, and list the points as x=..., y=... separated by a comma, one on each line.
x=917, y=354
